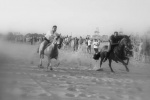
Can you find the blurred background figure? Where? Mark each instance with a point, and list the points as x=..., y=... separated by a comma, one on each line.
x=80, y=42
x=89, y=42
x=75, y=47
x=96, y=45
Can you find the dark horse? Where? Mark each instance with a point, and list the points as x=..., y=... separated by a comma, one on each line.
x=117, y=54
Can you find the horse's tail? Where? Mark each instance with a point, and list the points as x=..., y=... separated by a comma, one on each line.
x=104, y=52
x=97, y=56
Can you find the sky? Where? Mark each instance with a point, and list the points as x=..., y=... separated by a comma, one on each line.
x=76, y=17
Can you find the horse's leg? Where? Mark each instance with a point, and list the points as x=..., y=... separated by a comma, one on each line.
x=58, y=62
x=102, y=56
x=101, y=64
x=40, y=65
x=127, y=60
x=110, y=60
x=125, y=64
x=49, y=64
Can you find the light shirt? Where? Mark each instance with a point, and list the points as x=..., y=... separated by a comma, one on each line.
x=89, y=42
x=95, y=44
x=67, y=39
x=50, y=35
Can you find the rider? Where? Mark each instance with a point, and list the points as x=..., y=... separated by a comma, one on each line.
x=114, y=41
x=48, y=38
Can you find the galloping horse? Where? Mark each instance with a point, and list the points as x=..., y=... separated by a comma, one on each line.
x=117, y=54
x=51, y=51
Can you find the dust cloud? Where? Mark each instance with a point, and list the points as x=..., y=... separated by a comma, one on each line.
x=17, y=51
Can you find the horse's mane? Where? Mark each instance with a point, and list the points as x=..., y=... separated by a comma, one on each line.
x=118, y=50
x=122, y=36
x=122, y=41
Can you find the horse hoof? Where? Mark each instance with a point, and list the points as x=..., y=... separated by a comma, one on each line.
x=40, y=66
x=51, y=68
x=112, y=71
x=99, y=69
x=127, y=70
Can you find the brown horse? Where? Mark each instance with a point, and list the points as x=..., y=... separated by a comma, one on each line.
x=51, y=51
x=117, y=54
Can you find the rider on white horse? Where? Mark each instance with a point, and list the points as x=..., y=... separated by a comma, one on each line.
x=49, y=37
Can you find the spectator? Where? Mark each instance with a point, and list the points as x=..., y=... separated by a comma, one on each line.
x=96, y=46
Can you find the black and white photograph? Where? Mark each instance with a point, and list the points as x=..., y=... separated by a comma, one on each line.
x=74, y=49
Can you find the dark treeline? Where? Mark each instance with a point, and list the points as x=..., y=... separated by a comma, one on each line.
x=29, y=37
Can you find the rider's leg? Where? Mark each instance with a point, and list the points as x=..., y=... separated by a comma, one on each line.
x=44, y=46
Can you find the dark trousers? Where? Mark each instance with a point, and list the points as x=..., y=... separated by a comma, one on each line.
x=96, y=50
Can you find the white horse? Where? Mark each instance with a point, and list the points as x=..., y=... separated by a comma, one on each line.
x=51, y=52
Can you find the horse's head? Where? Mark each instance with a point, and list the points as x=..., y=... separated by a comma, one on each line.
x=126, y=41
x=59, y=40
x=129, y=43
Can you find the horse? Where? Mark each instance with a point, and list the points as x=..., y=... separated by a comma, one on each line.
x=51, y=51
x=116, y=53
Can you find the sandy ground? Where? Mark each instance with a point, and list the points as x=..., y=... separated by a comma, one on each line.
x=75, y=78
